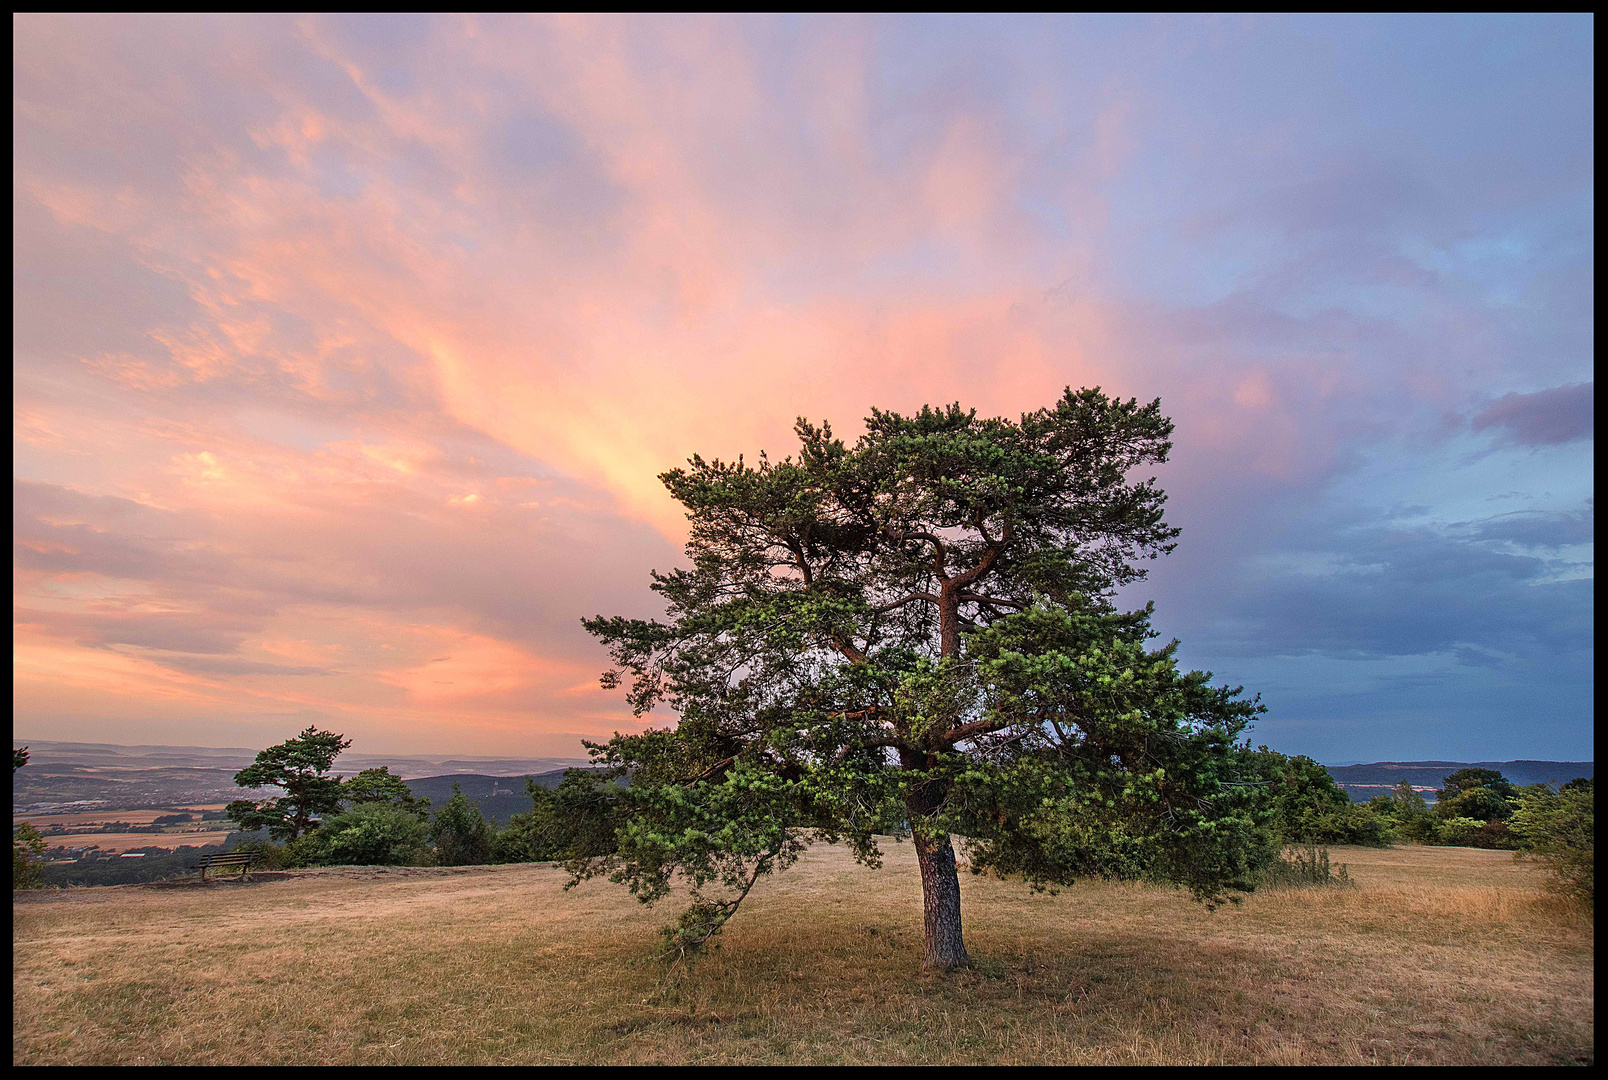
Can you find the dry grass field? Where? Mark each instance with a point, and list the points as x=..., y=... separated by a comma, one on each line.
x=1449, y=955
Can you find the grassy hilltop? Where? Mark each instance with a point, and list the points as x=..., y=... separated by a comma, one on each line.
x=1442, y=955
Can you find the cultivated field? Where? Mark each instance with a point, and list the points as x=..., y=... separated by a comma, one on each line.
x=1442, y=955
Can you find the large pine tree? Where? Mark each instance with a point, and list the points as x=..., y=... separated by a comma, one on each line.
x=917, y=632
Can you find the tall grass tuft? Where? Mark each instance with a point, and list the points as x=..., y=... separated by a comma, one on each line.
x=1298, y=868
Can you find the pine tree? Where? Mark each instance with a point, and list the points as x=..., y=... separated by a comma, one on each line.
x=917, y=632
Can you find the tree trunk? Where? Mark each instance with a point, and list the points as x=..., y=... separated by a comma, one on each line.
x=948, y=622
x=940, y=901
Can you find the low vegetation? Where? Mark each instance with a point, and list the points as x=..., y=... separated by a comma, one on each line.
x=1433, y=956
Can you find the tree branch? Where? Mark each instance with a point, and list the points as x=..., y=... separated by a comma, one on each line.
x=986, y=563
x=976, y=727
x=981, y=599
x=939, y=558
x=886, y=740
x=903, y=600
x=847, y=649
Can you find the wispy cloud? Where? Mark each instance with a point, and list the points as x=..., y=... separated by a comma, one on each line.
x=344, y=344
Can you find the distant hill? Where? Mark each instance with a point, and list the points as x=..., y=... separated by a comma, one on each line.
x=62, y=776
x=1363, y=782
x=107, y=755
x=499, y=797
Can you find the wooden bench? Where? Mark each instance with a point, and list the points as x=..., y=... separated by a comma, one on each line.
x=242, y=859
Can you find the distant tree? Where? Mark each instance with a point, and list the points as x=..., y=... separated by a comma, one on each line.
x=1407, y=814
x=1310, y=808
x=1560, y=827
x=379, y=786
x=27, y=856
x=533, y=836
x=1481, y=794
x=572, y=823
x=375, y=833
x=298, y=766
x=1467, y=779
x=460, y=833
x=919, y=632
x=19, y=758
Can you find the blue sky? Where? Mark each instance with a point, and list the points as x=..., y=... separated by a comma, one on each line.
x=348, y=349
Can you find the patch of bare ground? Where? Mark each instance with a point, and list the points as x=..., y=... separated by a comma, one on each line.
x=1447, y=956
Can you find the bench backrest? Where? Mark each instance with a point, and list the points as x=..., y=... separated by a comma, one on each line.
x=229, y=860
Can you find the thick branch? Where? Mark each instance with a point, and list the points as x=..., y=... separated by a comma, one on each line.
x=798, y=557
x=711, y=771
x=981, y=599
x=903, y=600
x=938, y=558
x=886, y=740
x=847, y=649
x=976, y=727
x=986, y=563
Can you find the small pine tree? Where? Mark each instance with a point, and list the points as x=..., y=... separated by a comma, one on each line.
x=460, y=833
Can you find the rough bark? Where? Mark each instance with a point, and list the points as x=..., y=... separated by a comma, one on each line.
x=940, y=884
x=940, y=901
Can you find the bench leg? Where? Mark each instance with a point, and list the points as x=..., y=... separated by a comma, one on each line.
x=203, y=873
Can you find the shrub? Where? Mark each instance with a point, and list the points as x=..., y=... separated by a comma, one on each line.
x=535, y=835
x=1481, y=794
x=1495, y=834
x=369, y=834
x=460, y=833
x=572, y=821
x=1456, y=831
x=1407, y=814
x=1559, y=827
x=270, y=856
x=27, y=856
x=1308, y=807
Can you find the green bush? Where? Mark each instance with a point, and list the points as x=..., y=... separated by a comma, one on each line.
x=1559, y=828
x=270, y=856
x=1310, y=808
x=27, y=856
x=575, y=820
x=461, y=834
x=369, y=834
x=1456, y=831
x=535, y=835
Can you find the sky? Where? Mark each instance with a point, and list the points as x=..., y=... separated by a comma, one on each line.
x=347, y=349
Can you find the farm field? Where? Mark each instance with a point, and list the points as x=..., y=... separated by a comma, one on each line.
x=168, y=838
x=137, y=816
x=1440, y=955
x=75, y=830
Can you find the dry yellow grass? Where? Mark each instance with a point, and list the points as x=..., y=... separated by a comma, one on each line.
x=1447, y=956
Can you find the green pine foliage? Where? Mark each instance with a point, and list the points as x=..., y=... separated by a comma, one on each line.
x=917, y=633
x=298, y=766
x=460, y=833
x=379, y=786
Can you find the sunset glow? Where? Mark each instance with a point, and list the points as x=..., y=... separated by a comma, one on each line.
x=347, y=351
